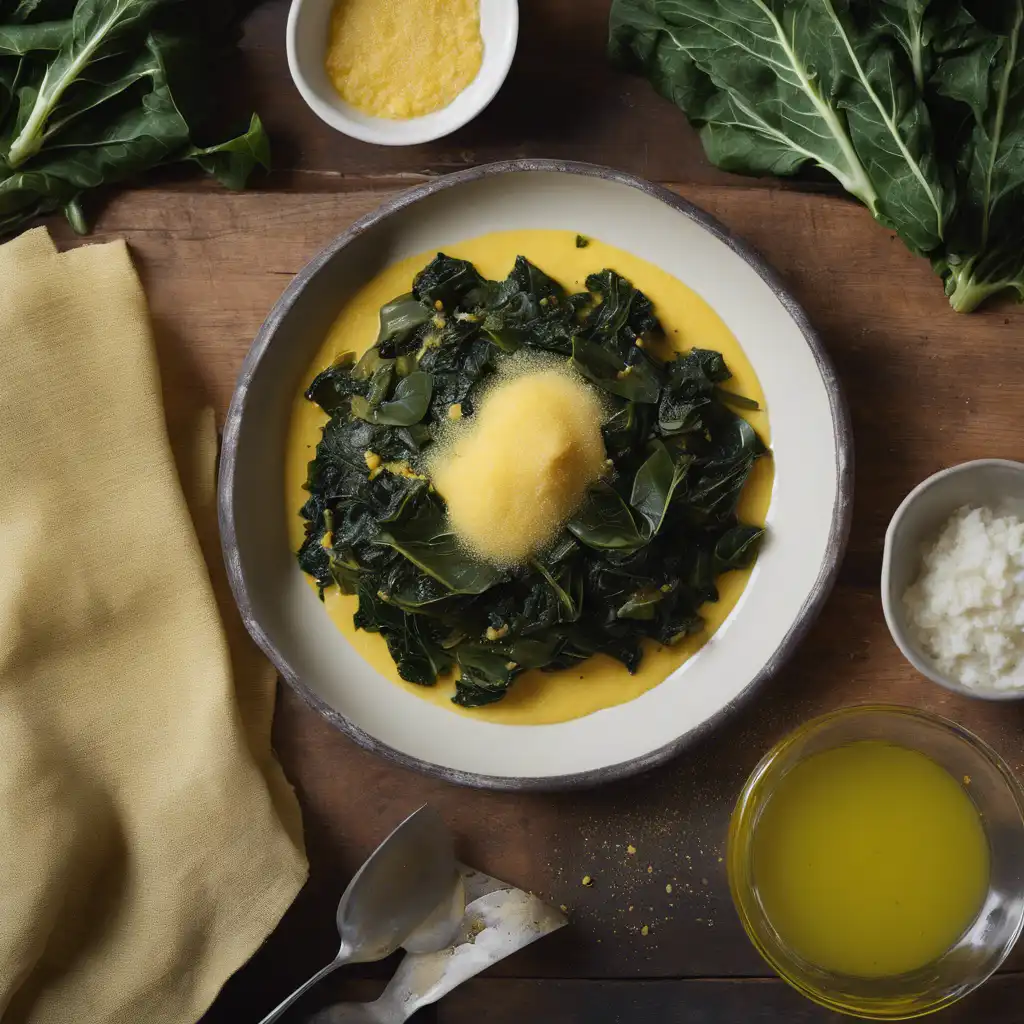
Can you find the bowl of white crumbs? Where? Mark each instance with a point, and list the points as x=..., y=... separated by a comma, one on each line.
x=953, y=579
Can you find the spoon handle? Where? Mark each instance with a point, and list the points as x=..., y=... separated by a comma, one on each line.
x=275, y=1014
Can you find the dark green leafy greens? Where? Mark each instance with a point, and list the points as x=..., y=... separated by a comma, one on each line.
x=915, y=106
x=636, y=560
x=94, y=92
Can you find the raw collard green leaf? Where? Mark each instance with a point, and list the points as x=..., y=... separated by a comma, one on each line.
x=86, y=100
x=985, y=253
x=637, y=559
x=775, y=85
x=915, y=106
x=233, y=161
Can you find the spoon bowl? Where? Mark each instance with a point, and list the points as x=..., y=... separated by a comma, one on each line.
x=397, y=889
x=402, y=884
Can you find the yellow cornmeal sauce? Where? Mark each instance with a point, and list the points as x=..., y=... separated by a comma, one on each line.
x=536, y=697
x=403, y=58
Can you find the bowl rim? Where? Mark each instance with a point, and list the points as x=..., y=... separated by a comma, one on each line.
x=738, y=822
x=839, y=529
x=897, y=630
x=380, y=131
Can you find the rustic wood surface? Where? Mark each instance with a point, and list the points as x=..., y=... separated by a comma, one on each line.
x=927, y=388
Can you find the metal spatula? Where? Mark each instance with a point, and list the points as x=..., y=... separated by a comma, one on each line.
x=499, y=920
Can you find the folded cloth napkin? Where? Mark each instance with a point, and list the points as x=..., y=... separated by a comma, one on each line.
x=148, y=840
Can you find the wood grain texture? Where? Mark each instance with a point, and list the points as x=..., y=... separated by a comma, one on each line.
x=717, y=1001
x=927, y=388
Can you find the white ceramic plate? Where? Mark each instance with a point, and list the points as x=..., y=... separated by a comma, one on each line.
x=306, y=42
x=807, y=521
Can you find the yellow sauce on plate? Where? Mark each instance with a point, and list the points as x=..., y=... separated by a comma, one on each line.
x=403, y=58
x=600, y=682
x=870, y=860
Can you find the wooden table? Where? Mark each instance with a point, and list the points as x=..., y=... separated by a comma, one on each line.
x=927, y=388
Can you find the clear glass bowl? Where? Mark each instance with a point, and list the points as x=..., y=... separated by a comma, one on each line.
x=999, y=800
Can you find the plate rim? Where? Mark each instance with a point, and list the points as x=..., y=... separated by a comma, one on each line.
x=835, y=547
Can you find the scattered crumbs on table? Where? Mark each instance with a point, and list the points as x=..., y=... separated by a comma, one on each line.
x=673, y=823
x=563, y=908
x=645, y=930
x=967, y=780
x=587, y=880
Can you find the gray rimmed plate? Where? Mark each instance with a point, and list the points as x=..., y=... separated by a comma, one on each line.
x=808, y=519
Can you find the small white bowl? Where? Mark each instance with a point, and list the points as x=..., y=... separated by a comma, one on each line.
x=993, y=483
x=308, y=32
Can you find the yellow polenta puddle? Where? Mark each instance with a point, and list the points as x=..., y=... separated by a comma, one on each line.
x=403, y=58
x=512, y=475
x=538, y=698
x=870, y=860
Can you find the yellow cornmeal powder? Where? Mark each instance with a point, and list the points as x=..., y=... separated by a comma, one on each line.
x=522, y=464
x=403, y=58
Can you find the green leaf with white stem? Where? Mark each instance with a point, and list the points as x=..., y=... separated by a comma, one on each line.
x=97, y=29
x=18, y=40
x=985, y=254
x=86, y=99
x=792, y=82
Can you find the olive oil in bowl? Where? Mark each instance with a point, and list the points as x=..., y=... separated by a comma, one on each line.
x=870, y=859
x=876, y=859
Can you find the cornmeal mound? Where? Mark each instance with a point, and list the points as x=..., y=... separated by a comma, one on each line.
x=403, y=58
x=516, y=471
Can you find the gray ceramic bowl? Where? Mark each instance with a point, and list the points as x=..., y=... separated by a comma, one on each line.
x=995, y=483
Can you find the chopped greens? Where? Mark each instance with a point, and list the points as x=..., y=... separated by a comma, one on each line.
x=916, y=107
x=636, y=560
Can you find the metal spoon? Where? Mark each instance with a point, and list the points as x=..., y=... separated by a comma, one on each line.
x=499, y=920
x=391, y=895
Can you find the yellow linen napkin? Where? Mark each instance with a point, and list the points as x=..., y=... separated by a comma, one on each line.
x=148, y=841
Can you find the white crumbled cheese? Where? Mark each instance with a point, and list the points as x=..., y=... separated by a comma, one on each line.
x=966, y=609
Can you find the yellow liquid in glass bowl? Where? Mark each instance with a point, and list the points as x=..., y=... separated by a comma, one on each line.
x=870, y=860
